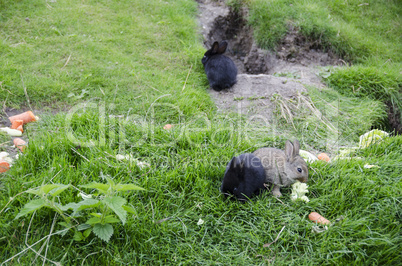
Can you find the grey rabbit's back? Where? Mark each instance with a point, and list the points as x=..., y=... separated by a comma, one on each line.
x=272, y=160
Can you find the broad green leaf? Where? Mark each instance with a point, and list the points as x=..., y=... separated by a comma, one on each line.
x=52, y=188
x=103, y=231
x=96, y=214
x=82, y=227
x=35, y=191
x=68, y=206
x=87, y=232
x=99, y=186
x=47, y=188
x=125, y=187
x=56, y=191
x=93, y=220
x=67, y=225
x=57, y=207
x=129, y=209
x=78, y=236
x=116, y=204
x=31, y=206
x=84, y=204
x=110, y=181
x=111, y=219
x=62, y=232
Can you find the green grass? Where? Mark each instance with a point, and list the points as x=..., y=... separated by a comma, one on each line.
x=365, y=33
x=66, y=56
x=182, y=185
x=370, y=82
x=355, y=30
x=126, y=53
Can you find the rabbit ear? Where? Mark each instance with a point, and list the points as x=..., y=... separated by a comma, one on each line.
x=215, y=48
x=222, y=47
x=233, y=163
x=289, y=150
x=296, y=147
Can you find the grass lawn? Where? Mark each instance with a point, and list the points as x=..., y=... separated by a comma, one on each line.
x=366, y=34
x=106, y=76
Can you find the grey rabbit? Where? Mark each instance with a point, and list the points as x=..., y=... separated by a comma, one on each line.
x=244, y=177
x=283, y=168
x=221, y=71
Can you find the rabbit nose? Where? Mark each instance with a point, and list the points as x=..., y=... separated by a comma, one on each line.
x=302, y=179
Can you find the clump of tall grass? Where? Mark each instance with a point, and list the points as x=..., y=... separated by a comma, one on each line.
x=326, y=118
x=369, y=82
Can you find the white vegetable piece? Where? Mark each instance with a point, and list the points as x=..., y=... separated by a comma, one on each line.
x=298, y=192
x=131, y=159
x=11, y=132
x=4, y=156
x=371, y=137
x=308, y=156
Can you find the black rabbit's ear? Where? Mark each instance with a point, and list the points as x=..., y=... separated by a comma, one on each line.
x=222, y=47
x=215, y=48
x=233, y=163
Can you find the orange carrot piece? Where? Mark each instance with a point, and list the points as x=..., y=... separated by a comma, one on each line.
x=167, y=126
x=16, y=123
x=316, y=217
x=323, y=157
x=4, y=166
x=25, y=117
x=20, y=144
x=20, y=128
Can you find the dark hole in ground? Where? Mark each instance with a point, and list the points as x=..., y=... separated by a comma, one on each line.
x=394, y=118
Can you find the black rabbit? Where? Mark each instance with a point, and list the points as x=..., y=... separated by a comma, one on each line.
x=221, y=71
x=244, y=177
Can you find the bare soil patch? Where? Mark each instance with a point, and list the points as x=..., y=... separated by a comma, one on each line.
x=252, y=94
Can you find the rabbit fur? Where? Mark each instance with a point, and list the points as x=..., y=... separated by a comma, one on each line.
x=221, y=71
x=283, y=168
x=244, y=177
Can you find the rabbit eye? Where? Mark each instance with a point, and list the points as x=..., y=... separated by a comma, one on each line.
x=299, y=169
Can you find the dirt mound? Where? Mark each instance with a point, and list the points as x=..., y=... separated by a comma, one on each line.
x=252, y=94
x=297, y=48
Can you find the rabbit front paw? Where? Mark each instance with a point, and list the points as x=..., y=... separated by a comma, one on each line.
x=276, y=191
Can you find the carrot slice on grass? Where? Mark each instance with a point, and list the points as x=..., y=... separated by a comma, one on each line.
x=323, y=157
x=20, y=144
x=167, y=127
x=25, y=117
x=316, y=217
x=20, y=128
x=16, y=123
x=4, y=166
